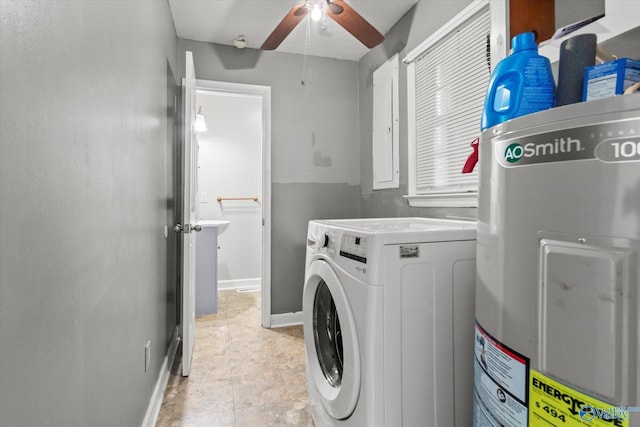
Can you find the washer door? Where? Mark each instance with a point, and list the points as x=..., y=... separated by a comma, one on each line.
x=331, y=342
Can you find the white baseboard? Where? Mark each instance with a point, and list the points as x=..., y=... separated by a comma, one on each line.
x=286, y=319
x=153, y=410
x=252, y=282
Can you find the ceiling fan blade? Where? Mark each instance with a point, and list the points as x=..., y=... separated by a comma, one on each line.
x=285, y=26
x=351, y=21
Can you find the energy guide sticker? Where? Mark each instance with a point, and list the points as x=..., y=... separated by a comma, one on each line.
x=554, y=404
x=500, y=383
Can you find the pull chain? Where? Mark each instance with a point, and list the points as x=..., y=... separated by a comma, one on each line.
x=307, y=41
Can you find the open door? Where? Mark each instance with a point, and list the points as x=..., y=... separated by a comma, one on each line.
x=189, y=227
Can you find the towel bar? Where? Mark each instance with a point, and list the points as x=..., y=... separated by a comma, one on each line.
x=254, y=198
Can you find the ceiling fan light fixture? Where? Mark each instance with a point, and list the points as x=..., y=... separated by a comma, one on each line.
x=316, y=12
x=338, y=10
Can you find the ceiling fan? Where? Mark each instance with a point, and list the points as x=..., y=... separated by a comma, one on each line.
x=337, y=10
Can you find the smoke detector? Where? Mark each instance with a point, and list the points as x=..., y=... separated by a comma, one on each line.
x=240, y=42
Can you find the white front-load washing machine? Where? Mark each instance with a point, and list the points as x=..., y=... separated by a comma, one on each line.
x=388, y=309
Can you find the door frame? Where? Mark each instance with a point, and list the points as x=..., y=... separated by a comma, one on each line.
x=265, y=93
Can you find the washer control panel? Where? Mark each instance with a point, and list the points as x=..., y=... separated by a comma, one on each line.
x=354, y=247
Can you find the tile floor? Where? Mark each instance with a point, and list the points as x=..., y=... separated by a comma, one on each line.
x=241, y=374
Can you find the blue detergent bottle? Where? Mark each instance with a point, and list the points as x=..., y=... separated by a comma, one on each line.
x=522, y=83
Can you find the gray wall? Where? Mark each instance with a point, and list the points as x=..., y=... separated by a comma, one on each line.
x=86, y=152
x=418, y=24
x=315, y=146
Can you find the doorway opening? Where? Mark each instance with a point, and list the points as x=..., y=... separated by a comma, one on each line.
x=234, y=182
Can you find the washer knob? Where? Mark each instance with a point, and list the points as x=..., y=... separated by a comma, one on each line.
x=324, y=240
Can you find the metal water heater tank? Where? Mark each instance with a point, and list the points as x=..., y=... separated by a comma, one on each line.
x=558, y=268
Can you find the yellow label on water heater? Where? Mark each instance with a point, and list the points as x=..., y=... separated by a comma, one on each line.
x=554, y=404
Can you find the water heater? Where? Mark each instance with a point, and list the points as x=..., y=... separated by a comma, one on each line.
x=558, y=268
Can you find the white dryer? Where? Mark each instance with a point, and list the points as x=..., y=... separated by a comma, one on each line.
x=388, y=309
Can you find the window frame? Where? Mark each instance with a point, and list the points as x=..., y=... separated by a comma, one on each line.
x=497, y=34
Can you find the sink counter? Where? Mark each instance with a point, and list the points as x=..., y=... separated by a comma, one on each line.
x=220, y=224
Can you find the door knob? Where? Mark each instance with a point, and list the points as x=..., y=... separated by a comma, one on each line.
x=187, y=229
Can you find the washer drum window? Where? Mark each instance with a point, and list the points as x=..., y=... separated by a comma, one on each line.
x=327, y=335
x=331, y=342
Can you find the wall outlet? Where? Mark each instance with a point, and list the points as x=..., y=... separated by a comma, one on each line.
x=147, y=356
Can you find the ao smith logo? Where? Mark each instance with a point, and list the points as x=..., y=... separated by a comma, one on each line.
x=514, y=152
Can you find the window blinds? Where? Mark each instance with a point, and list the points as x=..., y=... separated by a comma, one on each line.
x=451, y=78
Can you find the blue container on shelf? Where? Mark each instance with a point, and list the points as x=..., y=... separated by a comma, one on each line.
x=522, y=83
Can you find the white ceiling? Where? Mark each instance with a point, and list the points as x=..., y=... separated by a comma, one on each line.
x=220, y=21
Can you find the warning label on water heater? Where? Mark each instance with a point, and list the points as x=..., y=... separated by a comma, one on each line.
x=500, y=383
x=555, y=404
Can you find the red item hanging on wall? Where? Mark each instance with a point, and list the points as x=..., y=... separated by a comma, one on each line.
x=470, y=164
